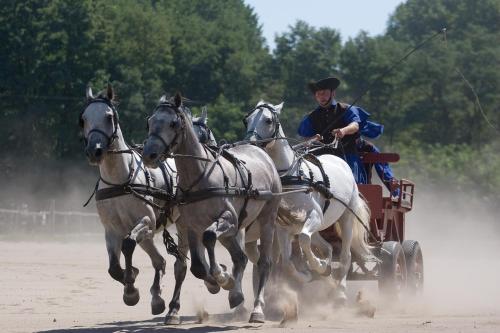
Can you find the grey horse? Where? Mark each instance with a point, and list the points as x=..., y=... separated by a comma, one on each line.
x=127, y=219
x=216, y=217
x=203, y=132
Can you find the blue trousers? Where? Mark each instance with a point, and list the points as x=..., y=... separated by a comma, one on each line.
x=357, y=168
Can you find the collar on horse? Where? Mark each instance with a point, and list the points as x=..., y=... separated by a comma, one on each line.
x=140, y=191
x=322, y=186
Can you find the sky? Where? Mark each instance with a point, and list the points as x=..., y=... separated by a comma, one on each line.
x=348, y=16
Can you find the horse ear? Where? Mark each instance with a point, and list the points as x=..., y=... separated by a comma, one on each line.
x=279, y=107
x=204, y=115
x=178, y=99
x=110, y=92
x=88, y=93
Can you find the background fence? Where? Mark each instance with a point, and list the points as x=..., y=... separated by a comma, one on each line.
x=48, y=222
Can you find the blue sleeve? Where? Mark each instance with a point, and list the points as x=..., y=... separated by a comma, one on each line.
x=352, y=116
x=305, y=128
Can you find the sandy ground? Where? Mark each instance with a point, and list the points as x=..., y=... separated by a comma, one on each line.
x=62, y=284
x=58, y=286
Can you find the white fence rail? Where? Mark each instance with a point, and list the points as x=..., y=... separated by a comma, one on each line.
x=53, y=221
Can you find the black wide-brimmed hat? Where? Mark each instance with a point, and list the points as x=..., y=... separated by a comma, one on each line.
x=328, y=83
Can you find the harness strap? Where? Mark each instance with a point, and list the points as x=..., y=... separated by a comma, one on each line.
x=171, y=247
x=323, y=187
x=93, y=193
x=241, y=169
x=141, y=189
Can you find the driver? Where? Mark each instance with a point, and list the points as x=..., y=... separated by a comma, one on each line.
x=334, y=119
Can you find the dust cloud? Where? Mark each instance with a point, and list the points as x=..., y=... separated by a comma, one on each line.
x=460, y=239
x=37, y=187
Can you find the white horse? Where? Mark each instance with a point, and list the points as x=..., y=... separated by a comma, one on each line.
x=127, y=219
x=303, y=214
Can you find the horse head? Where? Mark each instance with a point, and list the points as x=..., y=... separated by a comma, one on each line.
x=99, y=124
x=203, y=132
x=262, y=122
x=166, y=128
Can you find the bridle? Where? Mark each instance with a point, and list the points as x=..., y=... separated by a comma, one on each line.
x=114, y=135
x=276, y=121
x=180, y=119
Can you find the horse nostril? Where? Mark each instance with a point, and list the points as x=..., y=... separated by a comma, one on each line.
x=98, y=152
x=153, y=156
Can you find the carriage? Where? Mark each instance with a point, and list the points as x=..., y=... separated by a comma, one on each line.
x=259, y=194
x=401, y=261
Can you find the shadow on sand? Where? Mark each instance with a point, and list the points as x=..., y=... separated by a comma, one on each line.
x=216, y=323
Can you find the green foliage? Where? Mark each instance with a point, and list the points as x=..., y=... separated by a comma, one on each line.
x=302, y=55
x=213, y=52
x=225, y=119
x=456, y=166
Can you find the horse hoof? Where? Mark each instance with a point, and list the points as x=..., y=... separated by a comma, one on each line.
x=235, y=299
x=229, y=285
x=257, y=317
x=174, y=319
x=157, y=306
x=131, y=296
x=212, y=288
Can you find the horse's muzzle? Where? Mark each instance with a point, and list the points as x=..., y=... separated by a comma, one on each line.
x=95, y=152
x=151, y=154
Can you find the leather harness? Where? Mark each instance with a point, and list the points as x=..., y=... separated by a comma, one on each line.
x=322, y=186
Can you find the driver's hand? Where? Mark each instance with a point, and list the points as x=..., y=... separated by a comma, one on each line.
x=338, y=132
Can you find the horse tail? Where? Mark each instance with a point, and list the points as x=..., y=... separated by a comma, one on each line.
x=359, y=229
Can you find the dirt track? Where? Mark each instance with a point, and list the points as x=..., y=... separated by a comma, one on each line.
x=56, y=286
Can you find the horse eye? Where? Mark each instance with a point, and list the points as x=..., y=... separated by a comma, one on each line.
x=174, y=123
x=269, y=121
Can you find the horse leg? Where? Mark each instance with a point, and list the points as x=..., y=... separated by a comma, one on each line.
x=285, y=243
x=199, y=266
x=180, y=268
x=239, y=259
x=252, y=252
x=311, y=226
x=157, y=303
x=264, y=264
x=130, y=293
x=224, y=226
x=323, y=246
x=113, y=245
x=346, y=225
